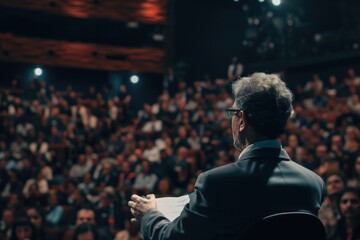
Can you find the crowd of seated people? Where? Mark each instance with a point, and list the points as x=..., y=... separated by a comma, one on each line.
x=69, y=160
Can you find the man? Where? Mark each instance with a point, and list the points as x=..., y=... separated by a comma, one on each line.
x=235, y=69
x=348, y=225
x=84, y=215
x=329, y=210
x=263, y=181
x=6, y=223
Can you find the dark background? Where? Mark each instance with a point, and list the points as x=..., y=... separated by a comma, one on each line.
x=201, y=37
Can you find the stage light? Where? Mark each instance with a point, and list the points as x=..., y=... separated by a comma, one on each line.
x=318, y=37
x=132, y=24
x=158, y=37
x=261, y=0
x=134, y=79
x=38, y=72
x=276, y=2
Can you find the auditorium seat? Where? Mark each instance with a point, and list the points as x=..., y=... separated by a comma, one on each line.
x=286, y=226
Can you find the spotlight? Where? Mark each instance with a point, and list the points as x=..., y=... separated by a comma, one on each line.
x=38, y=72
x=134, y=79
x=318, y=37
x=132, y=24
x=261, y=0
x=276, y=2
x=158, y=37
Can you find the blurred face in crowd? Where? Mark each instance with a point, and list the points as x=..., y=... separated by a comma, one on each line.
x=352, y=132
x=86, y=236
x=182, y=152
x=357, y=165
x=85, y=216
x=321, y=151
x=120, y=158
x=87, y=178
x=334, y=185
x=106, y=198
x=23, y=232
x=164, y=186
x=8, y=217
x=13, y=201
x=182, y=132
x=82, y=159
x=336, y=140
x=293, y=141
x=350, y=205
x=145, y=166
x=125, y=167
x=53, y=200
x=107, y=168
x=289, y=151
x=35, y=217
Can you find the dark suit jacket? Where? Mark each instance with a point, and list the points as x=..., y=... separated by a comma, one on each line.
x=228, y=199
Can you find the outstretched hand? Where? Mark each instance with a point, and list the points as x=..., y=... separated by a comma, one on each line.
x=140, y=205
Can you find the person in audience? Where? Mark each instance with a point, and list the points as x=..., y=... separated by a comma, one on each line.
x=23, y=229
x=85, y=215
x=131, y=231
x=329, y=212
x=54, y=211
x=354, y=180
x=235, y=69
x=37, y=219
x=6, y=223
x=86, y=231
x=348, y=225
x=145, y=181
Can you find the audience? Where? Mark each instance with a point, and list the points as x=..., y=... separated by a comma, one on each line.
x=61, y=151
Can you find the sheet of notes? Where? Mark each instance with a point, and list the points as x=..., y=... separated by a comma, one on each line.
x=171, y=207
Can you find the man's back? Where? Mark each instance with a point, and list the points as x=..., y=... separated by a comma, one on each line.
x=228, y=199
x=259, y=184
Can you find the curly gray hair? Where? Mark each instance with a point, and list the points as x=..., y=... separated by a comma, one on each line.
x=266, y=102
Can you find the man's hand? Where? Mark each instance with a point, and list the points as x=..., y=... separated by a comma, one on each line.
x=140, y=205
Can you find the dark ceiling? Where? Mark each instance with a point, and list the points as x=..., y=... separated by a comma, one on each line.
x=209, y=33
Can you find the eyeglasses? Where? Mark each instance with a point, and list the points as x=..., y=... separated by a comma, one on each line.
x=231, y=112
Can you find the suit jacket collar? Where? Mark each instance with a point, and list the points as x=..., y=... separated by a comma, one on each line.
x=265, y=153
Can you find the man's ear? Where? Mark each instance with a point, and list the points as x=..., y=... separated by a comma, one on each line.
x=242, y=121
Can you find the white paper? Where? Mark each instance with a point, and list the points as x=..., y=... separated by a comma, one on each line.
x=171, y=207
